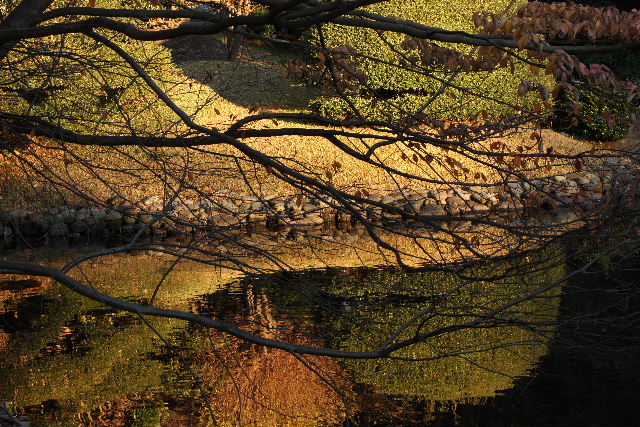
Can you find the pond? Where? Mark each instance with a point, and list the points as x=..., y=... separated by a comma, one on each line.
x=565, y=357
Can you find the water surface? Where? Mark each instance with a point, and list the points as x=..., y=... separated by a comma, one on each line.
x=66, y=360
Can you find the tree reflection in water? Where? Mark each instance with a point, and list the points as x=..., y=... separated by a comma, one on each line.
x=256, y=386
x=67, y=361
x=356, y=308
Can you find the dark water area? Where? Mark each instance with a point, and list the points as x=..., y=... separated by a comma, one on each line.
x=568, y=357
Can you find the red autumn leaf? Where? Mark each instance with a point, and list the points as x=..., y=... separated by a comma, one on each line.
x=517, y=161
x=578, y=165
x=609, y=119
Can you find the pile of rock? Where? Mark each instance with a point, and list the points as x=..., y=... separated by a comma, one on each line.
x=228, y=209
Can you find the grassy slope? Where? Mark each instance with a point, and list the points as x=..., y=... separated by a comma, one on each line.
x=217, y=92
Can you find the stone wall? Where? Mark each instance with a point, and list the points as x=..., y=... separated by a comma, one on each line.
x=577, y=192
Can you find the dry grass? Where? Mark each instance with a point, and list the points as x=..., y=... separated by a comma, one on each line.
x=216, y=93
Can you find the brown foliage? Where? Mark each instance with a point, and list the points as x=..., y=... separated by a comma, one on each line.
x=266, y=387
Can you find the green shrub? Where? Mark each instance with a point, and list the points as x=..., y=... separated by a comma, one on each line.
x=601, y=116
x=410, y=90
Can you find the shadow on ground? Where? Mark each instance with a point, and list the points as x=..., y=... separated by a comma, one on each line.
x=254, y=80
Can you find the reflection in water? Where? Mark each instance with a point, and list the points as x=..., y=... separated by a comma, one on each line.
x=459, y=365
x=68, y=361
x=355, y=309
x=256, y=386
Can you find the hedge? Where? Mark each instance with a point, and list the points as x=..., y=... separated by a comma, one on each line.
x=601, y=116
x=411, y=90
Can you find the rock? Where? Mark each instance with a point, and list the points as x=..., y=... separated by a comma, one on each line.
x=58, y=229
x=492, y=200
x=583, y=180
x=249, y=198
x=255, y=206
x=113, y=216
x=68, y=218
x=228, y=206
x=454, y=204
x=559, y=178
x=322, y=202
x=5, y=218
x=128, y=209
x=375, y=197
x=316, y=219
x=387, y=199
x=208, y=204
x=151, y=200
x=441, y=196
x=278, y=205
x=116, y=201
x=478, y=207
x=127, y=229
x=515, y=189
x=464, y=195
x=566, y=216
x=592, y=176
x=510, y=205
x=257, y=217
x=373, y=213
x=35, y=225
x=145, y=218
x=244, y=207
x=305, y=221
x=99, y=215
x=184, y=203
x=129, y=220
x=414, y=207
x=309, y=207
x=478, y=198
x=398, y=195
x=17, y=216
x=274, y=222
x=91, y=223
x=223, y=220
x=7, y=234
x=570, y=188
x=79, y=227
x=184, y=212
x=429, y=209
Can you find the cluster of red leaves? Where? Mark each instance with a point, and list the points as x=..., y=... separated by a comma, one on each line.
x=536, y=25
x=335, y=69
x=429, y=54
x=563, y=22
